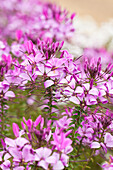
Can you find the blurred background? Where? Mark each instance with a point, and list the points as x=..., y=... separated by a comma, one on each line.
x=100, y=10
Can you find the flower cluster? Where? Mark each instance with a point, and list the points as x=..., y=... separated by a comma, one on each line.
x=64, y=79
x=36, y=19
x=63, y=103
x=28, y=148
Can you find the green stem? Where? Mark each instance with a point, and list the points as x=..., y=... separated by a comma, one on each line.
x=88, y=160
x=2, y=115
x=50, y=101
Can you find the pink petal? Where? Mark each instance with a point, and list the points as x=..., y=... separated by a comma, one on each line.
x=58, y=166
x=72, y=83
x=10, y=142
x=43, y=164
x=46, y=152
x=108, y=137
x=15, y=153
x=109, y=144
x=89, y=130
x=51, y=159
x=94, y=91
x=79, y=90
x=104, y=147
x=68, y=149
x=67, y=142
x=26, y=151
x=102, y=92
x=15, y=129
x=48, y=83
x=9, y=94
x=87, y=86
x=7, y=156
x=39, y=153
x=6, y=165
x=64, y=159
x=37, y=121
x=21, y=141
x=103, y=100
x=53, y=73
x=74, y=100
x=19, y=168
x=18, y=34
x=29, y=46
x=25, y=76
x=95, y=145
x=92, y=99
x=108, y=140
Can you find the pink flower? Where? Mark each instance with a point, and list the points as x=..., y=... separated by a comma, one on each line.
x=25, y=155
x=43, y=157
x=108, y=140
x=4, y=87
x=64, y=122
x=62, y=143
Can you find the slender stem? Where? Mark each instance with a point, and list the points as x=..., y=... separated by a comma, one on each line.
x=88, y=160
x=2, y=115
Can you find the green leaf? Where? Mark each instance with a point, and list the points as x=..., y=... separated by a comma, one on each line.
x=75, y=116
x=54, y=114
x=70, y=128
x=46, y=107
x=54, y=106
x=76, y=134
x=88, y=167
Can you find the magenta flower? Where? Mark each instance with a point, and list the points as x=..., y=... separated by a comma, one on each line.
x=30, y=124
x=62, y=143
x=98, y=52
x=16, y=49
x=55, y=63
x=42, y=70
x=46, y=21
x=64, y=122
x=28, y=46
